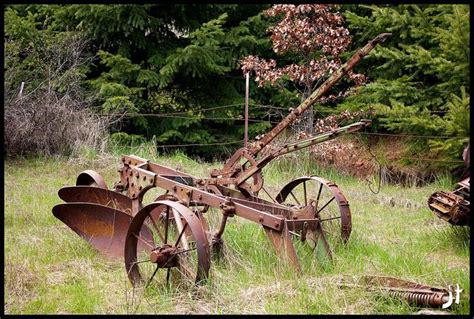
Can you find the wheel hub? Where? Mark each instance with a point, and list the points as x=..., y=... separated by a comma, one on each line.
x=164, y=256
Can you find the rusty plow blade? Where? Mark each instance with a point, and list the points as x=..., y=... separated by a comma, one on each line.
x=99, y=216
x=96, y=195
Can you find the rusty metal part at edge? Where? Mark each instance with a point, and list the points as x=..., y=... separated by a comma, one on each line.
x=412, y=292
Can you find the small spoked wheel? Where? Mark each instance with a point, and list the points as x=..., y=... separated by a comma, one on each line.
x=324, y=201
x=179, y=248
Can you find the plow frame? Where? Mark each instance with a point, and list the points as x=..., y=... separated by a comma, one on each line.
x=277, y=220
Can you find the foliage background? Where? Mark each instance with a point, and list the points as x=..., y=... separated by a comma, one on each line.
x=179, y=65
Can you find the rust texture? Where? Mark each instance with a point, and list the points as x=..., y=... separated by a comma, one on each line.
x=170, y=238
x=412, y=292
x=454, y=206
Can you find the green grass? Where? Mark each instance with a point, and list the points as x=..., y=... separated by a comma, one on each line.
x=49, y=269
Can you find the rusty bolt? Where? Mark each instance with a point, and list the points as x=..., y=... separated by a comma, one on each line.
x=133, y=184
x=200, y=197
x=175, y=188
x=140, y=188
x=144, y=177
x=260, y=219
x=277, y=224
x=129, y=162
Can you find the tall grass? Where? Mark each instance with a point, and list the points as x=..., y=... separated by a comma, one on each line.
x=49, y=269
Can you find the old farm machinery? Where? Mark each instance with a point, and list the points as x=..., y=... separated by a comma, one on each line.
x=454, y=206
x=170, y=237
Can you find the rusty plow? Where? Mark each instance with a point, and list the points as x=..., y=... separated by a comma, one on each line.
x=170, y=238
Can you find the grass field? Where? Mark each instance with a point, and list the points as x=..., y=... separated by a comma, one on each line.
x=49, y=269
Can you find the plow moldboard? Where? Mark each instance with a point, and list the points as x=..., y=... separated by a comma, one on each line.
x=103, y=227
x=96, y=195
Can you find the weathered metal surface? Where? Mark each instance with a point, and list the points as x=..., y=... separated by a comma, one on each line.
x=283, y=245
x=89, y=194
x=415, y=293
x=103, y=227
x=454, y=206
x=117, y=222
x=234, y=168
x=91, y=178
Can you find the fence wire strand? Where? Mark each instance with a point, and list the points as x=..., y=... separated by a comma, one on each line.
x=187, y=115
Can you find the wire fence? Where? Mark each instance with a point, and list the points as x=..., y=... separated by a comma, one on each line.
x=408, y=135
x=199, y=116
x=165, y=146
x=200, y=144
x=254, y=106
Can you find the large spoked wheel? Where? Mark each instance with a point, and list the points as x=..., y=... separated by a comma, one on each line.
x=327, y=203
x=179, y=251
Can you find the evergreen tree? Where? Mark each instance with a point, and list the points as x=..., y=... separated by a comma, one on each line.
x=422, y=82
x=171, y=59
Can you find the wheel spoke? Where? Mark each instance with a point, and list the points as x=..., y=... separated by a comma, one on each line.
x=329, y=202
x=294, y=197
x=181, y=234
x=305, y=195
x=156, y=227
x=179, y=227
x=269, y=195
x=185, y=251
x=325, y=219
x=141, y=261
x=143, y=240
x=151, y=278
x=319, y=195
x=166, y=224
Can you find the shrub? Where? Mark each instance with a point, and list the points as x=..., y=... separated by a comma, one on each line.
x=50, y=113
